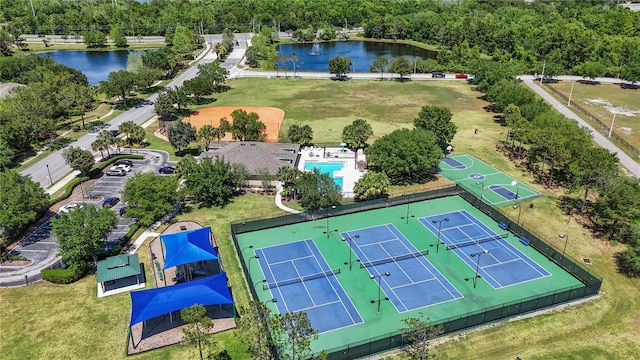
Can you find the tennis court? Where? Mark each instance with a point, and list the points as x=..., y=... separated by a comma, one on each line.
x=498, y=262
x=413, y=282
x=300, y=279
x=306, y=269
x=493, y=186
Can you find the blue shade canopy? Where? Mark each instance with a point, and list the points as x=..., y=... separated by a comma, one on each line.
x=188, y=246
x=148, y=304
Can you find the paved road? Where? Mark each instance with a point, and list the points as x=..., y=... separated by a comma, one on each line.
x=626, y=160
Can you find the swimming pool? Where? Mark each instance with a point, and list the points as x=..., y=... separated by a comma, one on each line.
x=327, y=168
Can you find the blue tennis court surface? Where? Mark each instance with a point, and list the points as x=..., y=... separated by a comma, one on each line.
x=454, y=163
x=301, y=280
x=502, y=265
x=504, y=192
x=413, y=282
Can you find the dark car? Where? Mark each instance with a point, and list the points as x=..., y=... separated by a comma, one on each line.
x=116, y=172
x=437, y=74
x=114, y=132
x=110, y=201
x=167, y=170
x=123, y=162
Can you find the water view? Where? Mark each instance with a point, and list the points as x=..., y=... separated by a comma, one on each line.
x=96, y=65
x=315, y=56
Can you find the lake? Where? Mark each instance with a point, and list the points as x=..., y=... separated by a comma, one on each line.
x=360, y=52
x=96, y=65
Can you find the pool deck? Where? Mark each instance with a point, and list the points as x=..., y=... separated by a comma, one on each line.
x=349, y=173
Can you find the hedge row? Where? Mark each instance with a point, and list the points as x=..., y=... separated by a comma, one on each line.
x=116, y=250
x=71, y=274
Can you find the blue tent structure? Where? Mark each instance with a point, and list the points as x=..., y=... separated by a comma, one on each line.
x=151, y=303
x=188, y=246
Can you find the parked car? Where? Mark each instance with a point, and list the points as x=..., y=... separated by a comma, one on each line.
x=124, y=167
x=123, y=162
x=438, y=74
x=167, y=170
x=69, y=207
x=114, y=132
x=116, y=172
x=461, y=76
x=110, y=201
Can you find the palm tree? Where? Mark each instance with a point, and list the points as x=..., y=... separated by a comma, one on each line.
x=106, y=139
x=98, y=145
x=206, y=133
x=220, y=49
x=127, y=128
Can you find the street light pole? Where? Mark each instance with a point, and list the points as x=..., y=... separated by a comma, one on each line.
x=519, y=212
x=350, y=252
x=478, y=254
x=564, y=249
x=571, y=92
x=326, y=212
x=481, y=183
x=515, y=183
x=612, y=120
x=439, y=227
x=51, y=179
x=379, y=277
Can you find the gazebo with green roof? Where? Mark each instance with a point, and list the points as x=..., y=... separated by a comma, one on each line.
x=117, y=269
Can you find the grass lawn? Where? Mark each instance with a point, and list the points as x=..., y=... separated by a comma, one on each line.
x=52, y=321
x=603, y=101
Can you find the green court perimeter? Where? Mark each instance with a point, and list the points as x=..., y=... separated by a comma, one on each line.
x=485, y=181
x=361, y=289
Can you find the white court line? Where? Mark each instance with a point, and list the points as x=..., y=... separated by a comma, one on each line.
x=500, y=263
x=290, y=260
x=277, y=288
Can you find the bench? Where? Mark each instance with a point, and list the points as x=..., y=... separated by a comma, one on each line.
x=503, y=226
x=524, y=240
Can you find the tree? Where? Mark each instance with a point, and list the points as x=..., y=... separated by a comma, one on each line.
x=300, y=134
x=295, y=60
x=292, y=334
x=199, y=325
x=339, y=65
x=618, y=206
x=5, y=43
x=592, y=167
x=94, y=39
x=119, y=83
x=629, y=261
x=81, y=232
x=254, y=330
x=104, y=140
x=317, y=190
x=631, y=73
x=78, y=159
x=357, y=133
x=117, y=35
x=184, y=42
x=211, y=183
x=371, y=185
x=401, y=66
x=180, y=135
x=405, y=156
x=149, y=197
x=380, y=64
x=418, y=334
x=214, y=74
x=198, y=87
x=133, y=132
x=590, y=69
x=207, y=133
x=6, y=154
x=22, y=201
x=437, y=119
x=164, y=106
x=247, y=126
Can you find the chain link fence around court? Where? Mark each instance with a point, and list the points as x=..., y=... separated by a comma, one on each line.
x=591, y=283
x=600, y=125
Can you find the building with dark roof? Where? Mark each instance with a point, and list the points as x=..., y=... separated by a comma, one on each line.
x=255, y=155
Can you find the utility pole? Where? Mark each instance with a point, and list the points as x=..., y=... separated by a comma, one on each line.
x=543, y=66
x=32, y=9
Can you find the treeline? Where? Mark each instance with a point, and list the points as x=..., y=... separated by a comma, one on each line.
x=562, y=36
x=560, y=153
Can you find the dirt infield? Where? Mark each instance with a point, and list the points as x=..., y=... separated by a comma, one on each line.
x=272, y=117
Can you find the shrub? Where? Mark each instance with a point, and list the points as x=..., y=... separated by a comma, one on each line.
x=117, y=250
x=65, y=276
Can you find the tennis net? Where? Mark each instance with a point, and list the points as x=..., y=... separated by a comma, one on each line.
x=301, y=279
x=478, y=241
x=394, y=259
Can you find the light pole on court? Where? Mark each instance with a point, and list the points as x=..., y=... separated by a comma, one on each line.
x=515, y=183
x=481, y=183
x=408, y=203
x=439, y=227
x=328, y=232
x=519, y=212
x=259, y=282
x=477, y=254
x=249, y=262
x=566, y=240
x=350, y=238
x=379, y=277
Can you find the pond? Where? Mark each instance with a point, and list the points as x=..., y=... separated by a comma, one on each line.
x=96, y=65
x=315, y=56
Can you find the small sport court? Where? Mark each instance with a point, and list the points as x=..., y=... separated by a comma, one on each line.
x=495, y=187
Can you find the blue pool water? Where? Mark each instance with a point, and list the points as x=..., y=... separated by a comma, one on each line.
x=327, y=168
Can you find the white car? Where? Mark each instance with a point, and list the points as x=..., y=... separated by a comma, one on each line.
x=124, y=167
x=69, y=207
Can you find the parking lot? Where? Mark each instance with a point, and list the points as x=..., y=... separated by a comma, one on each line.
x=41, y=246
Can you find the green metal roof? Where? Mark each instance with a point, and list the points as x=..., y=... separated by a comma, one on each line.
x=118, y=267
